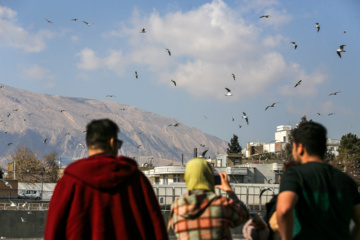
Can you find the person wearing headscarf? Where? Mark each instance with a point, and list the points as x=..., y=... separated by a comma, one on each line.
x=200, y=213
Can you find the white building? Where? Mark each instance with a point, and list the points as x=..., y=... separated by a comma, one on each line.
x=282, y=133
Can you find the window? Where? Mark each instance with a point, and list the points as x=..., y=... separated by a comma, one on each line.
x=161, y=200
x=166, y=179
x=176, y=178
x=284, y=139
x=157, y=180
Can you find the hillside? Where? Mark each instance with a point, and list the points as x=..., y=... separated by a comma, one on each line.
x=27, y=119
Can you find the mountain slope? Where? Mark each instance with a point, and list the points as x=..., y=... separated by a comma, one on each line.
x=27, y=119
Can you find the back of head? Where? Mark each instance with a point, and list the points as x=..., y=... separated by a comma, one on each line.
x=99, y=132
x=199, y=175
x=312, y=136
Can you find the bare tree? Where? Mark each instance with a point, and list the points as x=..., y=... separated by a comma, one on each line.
x=51, y=167
x=28, y=167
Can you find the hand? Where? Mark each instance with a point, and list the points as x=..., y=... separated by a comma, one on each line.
x=225, y=186
x=257, y=222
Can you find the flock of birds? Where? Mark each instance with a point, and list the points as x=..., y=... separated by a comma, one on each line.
x=228, y=92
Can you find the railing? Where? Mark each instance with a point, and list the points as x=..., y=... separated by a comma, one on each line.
x=19, y=194
x=166, y=195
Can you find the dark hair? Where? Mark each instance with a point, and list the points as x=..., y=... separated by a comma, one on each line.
x=98, y=132
x=312, y=136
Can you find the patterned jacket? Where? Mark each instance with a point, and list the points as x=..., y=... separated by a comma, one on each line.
x=201, y=214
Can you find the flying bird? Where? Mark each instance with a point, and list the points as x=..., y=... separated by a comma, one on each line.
x=175, y=125
x=294, y=44
x=205, y=117
x=168, y=50
x=320, y=114
x=143, y=30
x=45, y=140
x=110, y=96
x=246, y=118
x=81, y=145
x=202, y=145
x=139, y=146
x=203, y=153
x=136, y=75
x=74, y=19
x=16, y=109
x=331, y=114
x=317, y=25
x=62, y=110
x=9, y=144
x=334, y=93
x=228, y=92
x=23, y=219
x=6, y=183
x=264, y=190
x=12, y=204
x=88, y=24
x=272, y=105
x=341, y=49
x=233, y=75
x=67, y=133
x=232, y=119
x=173, y=82
x=298, y=83
x=240, y=126
x=8, y=115
x=265, y=16
x=345, y=31
x=23, y=206
x=48, y=20
x=2, y=86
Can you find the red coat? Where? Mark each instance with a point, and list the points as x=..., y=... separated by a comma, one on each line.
x=104, y=197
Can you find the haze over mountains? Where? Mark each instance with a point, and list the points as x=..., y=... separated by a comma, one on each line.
x=28, y=118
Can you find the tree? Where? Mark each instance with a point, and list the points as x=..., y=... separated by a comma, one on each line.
x=348, y=159
x=234, y=146
x=51, y=167
x=28, y=167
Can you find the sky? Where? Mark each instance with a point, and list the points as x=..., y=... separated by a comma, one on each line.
x=209, y=41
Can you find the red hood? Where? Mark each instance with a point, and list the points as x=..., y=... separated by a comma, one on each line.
x=103, y=171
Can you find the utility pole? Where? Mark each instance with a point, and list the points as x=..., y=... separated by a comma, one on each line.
x=42, y=181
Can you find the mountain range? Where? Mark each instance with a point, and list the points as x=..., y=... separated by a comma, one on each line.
x=46, y=123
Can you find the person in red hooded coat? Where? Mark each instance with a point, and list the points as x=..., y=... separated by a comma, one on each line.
x=104, y=196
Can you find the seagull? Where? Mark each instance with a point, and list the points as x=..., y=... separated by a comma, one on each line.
x=143, y=30
x=45, y=140
x=62, y=110
x=9, y=144
x=122, y=109
x=264, y=190
x=136, y=75
x=203, y=153
x=16, y=109
x=23, y=219
x=175, y=125
x=345, y=31
x=48, y=20
x=246, y=118
x=168, y=50
x=74, y=19
x=205, y=117
x=139, y=146
x=294, y=44
x=228, y=92
x=2, y=86
x=30, y=114
x=265, y=16
x=9, y=115
x=173, y=82
x=334, y=93
x=232, y=119
x=88, y=24
x=202, y=145
x=23, y=206
x=331, y=114
x=6, y=183
x=82, y=145
x=317, y=25
x=233, y=75
x=272, y=105
x=298, y=83
x=341, y=49
x=240, y=126
x=320, y=114
x=67, y=133
x=110, y=96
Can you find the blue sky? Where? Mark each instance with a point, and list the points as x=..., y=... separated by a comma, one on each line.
x=208, y=40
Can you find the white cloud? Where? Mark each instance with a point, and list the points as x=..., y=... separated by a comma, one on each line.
x=15, y=36
x=38, y=74
x=114, y=61
x=211, y=42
